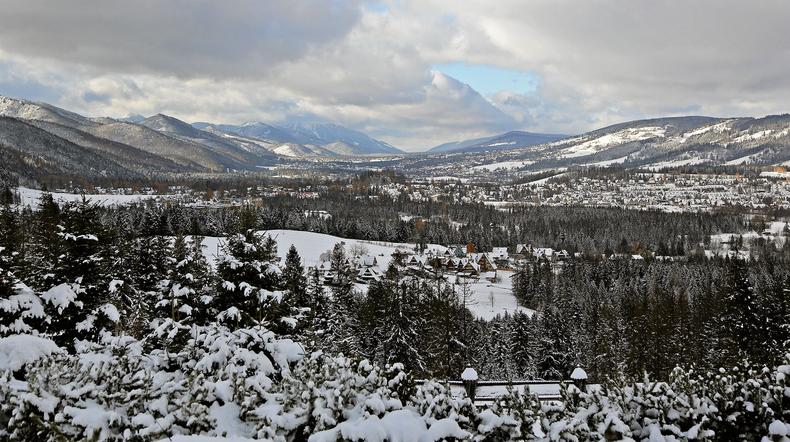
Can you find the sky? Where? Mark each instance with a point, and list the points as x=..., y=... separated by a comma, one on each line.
x=414, y=73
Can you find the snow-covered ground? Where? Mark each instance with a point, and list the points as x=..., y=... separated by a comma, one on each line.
x=720, y=243
x=620, y=137
x=491, y=299
x=487, y=299
x=742, y=160
x=31, y=197
x=776, y=174
x=606, y=163
x=206, y=439
x=503, y=165
x=676, y=163
x=543, y=181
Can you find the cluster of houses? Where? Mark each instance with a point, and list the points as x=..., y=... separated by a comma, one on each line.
x=462, y=261
x=366, y=268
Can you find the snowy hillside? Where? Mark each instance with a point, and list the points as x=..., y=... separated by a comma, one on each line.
x=655, y=144
x=31, y=197
x=488, y=299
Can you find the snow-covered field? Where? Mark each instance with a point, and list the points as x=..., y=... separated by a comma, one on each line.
x=487, y=300
x=676, y=163
x=31, y=197
x=606, y=163
x=491, y=299
x=720, y=243
x=742, y=160
x=621, y=137
x=543, y=181
x=776, y=174
x=503, y=165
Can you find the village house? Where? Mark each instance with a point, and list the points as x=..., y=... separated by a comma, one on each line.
x=368, y=274
x=366, y=261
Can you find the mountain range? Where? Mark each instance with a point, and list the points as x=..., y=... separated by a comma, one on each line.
x=504, y=141
x=651, y=143
x=40, y=140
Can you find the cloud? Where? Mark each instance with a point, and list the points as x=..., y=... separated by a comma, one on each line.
x=370, y=65
x=184, y=38
x=608, y=60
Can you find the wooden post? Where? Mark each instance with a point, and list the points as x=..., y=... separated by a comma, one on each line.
x=469, y=377
x=579, y=378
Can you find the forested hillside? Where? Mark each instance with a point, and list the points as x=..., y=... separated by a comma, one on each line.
x=120, y=328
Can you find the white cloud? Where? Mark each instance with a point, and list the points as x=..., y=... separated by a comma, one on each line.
x=600, y=62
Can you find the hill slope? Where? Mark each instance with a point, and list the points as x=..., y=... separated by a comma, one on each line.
x=509, y=140
x=29, y=151
x=305, y=139
x=652, y=143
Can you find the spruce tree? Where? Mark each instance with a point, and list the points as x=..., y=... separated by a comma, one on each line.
x=555, y=359
x=248, y=279
x=78, y=301
x=293, y=278
x=742, y=327
x=401, y=327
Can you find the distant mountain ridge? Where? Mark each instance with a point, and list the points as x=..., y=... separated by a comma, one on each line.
x=41, y=140
x=316, y=138
x=136, y=146
x=508, y=140
x=655, y=143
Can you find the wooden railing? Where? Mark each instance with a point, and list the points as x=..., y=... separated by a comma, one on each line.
x=484, y=392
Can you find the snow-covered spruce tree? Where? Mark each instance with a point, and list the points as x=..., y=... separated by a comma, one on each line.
x=117, y=389
x=316, y=319
x=129, y=285
x=402, y=338
x=12, y=235
x=202, y=281
x=21, y=309
x=45, y=245
x=555, y=354
x=322, y=393
x=742, y=329
x=447, y=325
x=742, y=401
x=179, y=299
x=396, y=339
x=774, y=305
x=14, y=309
x=341, y=331
x=78, y=301
x=248, y=281
x=294, y=280
x=499, y=363
x=524, y=408
x=435, y=402
x=524, y=338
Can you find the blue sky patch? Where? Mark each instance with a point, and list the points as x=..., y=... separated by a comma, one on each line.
x=488, y=80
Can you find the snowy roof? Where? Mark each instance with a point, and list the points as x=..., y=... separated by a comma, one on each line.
x=324, y=265
x=579, y=374
x=369, y=271
x=543, y=251
x=367, y=260
x=469, y=374
x=500, y=251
